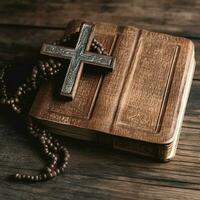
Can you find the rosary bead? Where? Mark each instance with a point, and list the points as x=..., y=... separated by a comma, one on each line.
x=36, y=178
x=54, y=174
x=50, y=137
x=3, y=100
x=46, y=151
x=48, y=169
x=8, y=102
x=48, y=141
x=55, y=149
x=19, y=93
x=14, y=108
x=18, y=110
x=40, y=178
x=51, y=144
x=17, y=175
x=24, y=85
x=64, y=166
x=50, y=175
x=44, y=176
x=64, y=40
x=100, y=45
x=32, y=178
x=51, y=61
x=24, y=176
x=11, y=100
x=29, y=89
x=66, y=159
x=50, y=69
x=53, y=156
x=52, y=166
x=42, y=67
x=59, y=64
x=16, y=100
x=20, y=88
x=62, y=169
x=35, y=71
x=46, y=64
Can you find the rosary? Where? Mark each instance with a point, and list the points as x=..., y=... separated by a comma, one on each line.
x=57, y=155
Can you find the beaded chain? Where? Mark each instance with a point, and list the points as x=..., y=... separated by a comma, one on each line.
x=47, y=68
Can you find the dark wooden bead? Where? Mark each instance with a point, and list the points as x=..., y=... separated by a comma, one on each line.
x=17, y=176
x=48, y=169
x=15, y=108
x=32, y=178
x=24, y=176
x=40, y=178
x=64, y=165
x=19, y=93
x=36, y=178
x=50, y=175
x=54, y=173
x=52, y=166
x=44, y=176
x=55, y=149
x=3, y=100
x=16, y=100
x=59, y=64
x=18, y=111
x=66, y=159
x=62, y=169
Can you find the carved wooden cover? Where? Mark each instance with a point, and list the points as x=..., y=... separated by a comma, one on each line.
x=143, y=98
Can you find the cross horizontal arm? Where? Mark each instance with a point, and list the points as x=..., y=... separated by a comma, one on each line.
x=98, y=59
x=57, y=51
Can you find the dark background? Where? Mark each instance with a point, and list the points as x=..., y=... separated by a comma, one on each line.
x=96, y=173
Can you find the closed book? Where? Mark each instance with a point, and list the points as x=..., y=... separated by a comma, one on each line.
x=139, y=106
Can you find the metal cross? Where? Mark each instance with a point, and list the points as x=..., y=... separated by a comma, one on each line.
x=78, y=56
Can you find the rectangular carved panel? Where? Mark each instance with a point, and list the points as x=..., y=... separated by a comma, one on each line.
x=144, y=97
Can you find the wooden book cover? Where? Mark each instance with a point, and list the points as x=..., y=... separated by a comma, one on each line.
x=139, y=107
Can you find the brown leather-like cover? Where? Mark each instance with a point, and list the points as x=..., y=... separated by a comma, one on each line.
x=139, y=107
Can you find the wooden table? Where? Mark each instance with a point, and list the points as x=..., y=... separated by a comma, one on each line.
x=96, y=173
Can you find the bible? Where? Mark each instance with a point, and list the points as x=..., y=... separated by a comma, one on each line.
x=136, y=104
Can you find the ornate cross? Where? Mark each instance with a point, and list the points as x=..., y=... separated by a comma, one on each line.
x=78, y=56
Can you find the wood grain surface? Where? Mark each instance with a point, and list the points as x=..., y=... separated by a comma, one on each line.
x=97, y=173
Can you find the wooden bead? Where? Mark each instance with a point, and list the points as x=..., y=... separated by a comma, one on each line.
x=48, y=169
x=40, y=178
x=3, y=100
x=54, y=173
x=36, y=178
x=32, y=178
x=19, y=93
x=44, y=176
x=16, y=100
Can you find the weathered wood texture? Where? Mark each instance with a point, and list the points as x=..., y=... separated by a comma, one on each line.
x=95, y=173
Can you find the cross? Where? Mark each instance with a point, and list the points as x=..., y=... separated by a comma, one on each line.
x=78, y=56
